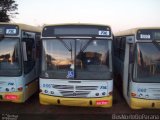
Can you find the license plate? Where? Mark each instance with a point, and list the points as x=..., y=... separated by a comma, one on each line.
x=11, y=97
x=102, y=102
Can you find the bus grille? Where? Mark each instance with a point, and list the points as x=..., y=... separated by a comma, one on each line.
x=86, y=87
x=155, y=91
x=63, y=87
x=74, y=94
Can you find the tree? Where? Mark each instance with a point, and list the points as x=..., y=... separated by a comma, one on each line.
x=7, y=10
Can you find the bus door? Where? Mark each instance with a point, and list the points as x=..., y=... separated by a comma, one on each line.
x=131, y=47
x=29, y=55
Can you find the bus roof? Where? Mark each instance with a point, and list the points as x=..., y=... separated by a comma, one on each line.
x=24, y=26
x=133, y=31
x=76, y=29
x=67, y=24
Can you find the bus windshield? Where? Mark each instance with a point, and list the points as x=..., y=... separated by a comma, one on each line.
x=83, y=59
x=148, y=62
x=10, y=57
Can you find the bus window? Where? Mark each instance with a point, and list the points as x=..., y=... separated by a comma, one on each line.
x=148, y=62
x=122, y=48
x=30, y=51
x=56, y=58
x=94, y=56
x=10, y=64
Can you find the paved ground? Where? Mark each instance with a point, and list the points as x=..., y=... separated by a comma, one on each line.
x=32, y=108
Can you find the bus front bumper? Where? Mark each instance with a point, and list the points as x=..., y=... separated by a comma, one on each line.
x=137, y=103
x=16, y=97
x=83, y=102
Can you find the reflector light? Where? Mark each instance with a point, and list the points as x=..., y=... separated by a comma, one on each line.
x=11, y=97
x=102, y=102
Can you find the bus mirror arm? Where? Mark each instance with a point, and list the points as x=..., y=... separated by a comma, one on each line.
x=24, y=51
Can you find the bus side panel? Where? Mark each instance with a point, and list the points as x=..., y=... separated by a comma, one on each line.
x=125, y=74
x=118, y=63
x=31, y=88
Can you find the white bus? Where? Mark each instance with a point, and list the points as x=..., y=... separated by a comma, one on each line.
x=19, y=61
x=76, y=65
x=137, y=66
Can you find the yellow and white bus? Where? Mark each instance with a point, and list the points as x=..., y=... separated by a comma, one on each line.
x=19, y=61
x=76, y=65
x=137, y=66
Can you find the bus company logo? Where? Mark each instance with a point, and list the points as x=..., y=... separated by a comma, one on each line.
x=103, y=87
x=10, y=83
x=142, y=89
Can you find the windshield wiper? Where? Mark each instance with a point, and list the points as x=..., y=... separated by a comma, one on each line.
x=85, y=46
x=66, y=46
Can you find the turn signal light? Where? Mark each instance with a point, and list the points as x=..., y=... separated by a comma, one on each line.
x=133, y=94
x=20, y=88
x=110, y=93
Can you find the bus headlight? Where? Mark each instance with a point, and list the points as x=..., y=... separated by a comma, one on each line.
x=52, y=92
x=7, y=89
x=146, y=96
x=97, y=94
x=13, y=89
x=103, y=93
x=140, y=95
x=45, y=91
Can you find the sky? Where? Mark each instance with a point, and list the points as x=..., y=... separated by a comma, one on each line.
x=119, y=14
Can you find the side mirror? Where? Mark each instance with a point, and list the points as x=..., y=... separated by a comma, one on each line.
x=24, y=51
